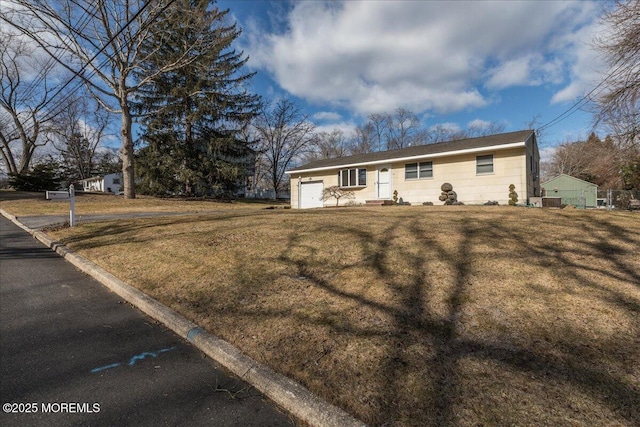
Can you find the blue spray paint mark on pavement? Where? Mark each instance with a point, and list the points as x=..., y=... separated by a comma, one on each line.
x=104, y=368
x=134, y=359
x=141, y=356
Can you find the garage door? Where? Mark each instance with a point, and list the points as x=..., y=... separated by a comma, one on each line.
x=311, y=194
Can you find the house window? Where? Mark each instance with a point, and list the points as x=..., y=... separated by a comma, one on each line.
x=352, y=177
x=411, y=171
x=484, y=164
x=418, y=170
x=362, y=177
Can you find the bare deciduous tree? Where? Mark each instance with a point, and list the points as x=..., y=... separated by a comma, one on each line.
x=618, y=107
x=26, y=91
x=593, y=160
x=101, y=43
x=328, y=145
x=443, y=133
x=335, y=192
x=381, y=124
x=567, y=159
x=485, y=129
x=363, y=139
x=78, y=132
x=285, y=133
x=404, y=130
x=535, y=125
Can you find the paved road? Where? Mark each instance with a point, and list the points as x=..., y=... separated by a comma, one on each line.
x=75, y=354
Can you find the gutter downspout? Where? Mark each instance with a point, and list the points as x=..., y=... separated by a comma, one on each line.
x=299, y=192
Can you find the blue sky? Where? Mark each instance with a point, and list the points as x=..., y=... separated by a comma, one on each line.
x=452, y=63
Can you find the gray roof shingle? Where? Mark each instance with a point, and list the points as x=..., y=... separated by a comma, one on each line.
x=420, y=150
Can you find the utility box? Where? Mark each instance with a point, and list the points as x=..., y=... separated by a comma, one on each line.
x=552, y=202
x=536, y=202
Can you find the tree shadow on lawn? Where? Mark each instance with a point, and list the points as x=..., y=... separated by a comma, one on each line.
x=462, y=321
x=468, y=375
x=93, y=234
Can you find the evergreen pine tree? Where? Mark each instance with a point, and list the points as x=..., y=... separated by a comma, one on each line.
x=193, y=140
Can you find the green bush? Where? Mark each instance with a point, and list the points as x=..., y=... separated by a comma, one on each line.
x=513, y=196
x=42, y=177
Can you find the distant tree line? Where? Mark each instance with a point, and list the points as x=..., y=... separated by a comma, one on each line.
x=172, y=67
x=604, y=162
x=390, y=131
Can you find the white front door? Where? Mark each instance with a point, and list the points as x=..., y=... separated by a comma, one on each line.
x=384, y=182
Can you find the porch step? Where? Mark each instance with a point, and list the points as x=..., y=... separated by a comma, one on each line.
x=378, y=202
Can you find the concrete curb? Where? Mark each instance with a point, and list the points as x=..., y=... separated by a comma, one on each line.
x=287, y=393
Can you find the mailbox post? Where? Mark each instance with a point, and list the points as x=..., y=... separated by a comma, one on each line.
x=72, y=206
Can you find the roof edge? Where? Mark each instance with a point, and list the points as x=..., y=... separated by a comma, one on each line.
x=421, y=156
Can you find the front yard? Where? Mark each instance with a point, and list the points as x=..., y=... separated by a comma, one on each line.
x=409, y=316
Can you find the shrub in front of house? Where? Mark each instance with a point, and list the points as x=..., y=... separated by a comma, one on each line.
x=513, y=196
x=448, y=196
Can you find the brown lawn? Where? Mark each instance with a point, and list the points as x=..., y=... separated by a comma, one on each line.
x=410, y=316
x=27, y=204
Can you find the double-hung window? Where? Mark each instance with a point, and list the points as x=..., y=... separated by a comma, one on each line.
x=484, y=164
x=418, y=170
x=353, y=177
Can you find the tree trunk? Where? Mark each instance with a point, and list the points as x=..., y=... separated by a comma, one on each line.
x=128, y=173
x=275, y=186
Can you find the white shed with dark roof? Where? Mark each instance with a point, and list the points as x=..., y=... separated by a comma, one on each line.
x=480, y=170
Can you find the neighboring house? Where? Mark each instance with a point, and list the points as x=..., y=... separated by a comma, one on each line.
x=571, y=191
x=480, y=170
x=111, y=183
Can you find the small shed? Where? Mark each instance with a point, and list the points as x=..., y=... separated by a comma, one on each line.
x=572, y=191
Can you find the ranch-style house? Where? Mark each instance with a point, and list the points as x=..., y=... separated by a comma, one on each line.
x=479, y=169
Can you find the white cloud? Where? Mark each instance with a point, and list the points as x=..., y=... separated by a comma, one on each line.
x=426, y=56
x=327, y=116
x=478, y=124
x=586, y=65
x=547, y=153
x=347, y=128
x=527, y=70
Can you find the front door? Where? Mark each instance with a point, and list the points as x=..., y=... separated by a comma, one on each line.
x=384, y=182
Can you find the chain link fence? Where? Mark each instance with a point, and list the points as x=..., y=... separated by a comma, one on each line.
x=602, y=199
x=580, y=199
x=618, y=199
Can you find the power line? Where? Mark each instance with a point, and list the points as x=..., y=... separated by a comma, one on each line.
x=61, y=102
x=35, y=83
x=98, y=53
x=585, y=98
x=53, y=57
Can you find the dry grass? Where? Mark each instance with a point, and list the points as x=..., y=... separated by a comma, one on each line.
x=31, y=204
x=410, y=316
